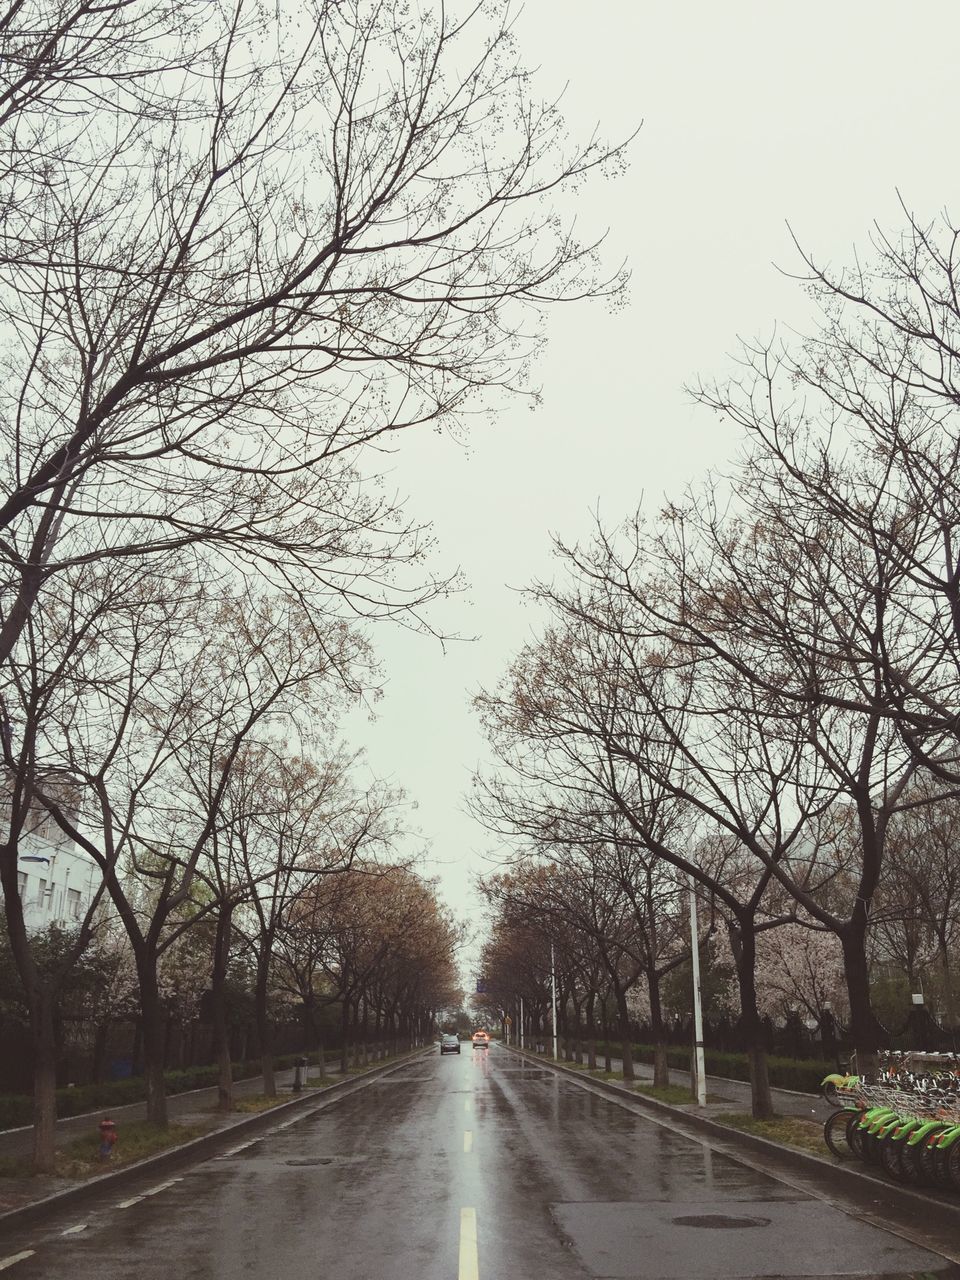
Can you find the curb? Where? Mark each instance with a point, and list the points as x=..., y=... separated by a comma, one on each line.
x=197, y=1149
x=928, y=1221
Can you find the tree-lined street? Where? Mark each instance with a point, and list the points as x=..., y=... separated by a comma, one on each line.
x=265, y=266
x=395, y=1179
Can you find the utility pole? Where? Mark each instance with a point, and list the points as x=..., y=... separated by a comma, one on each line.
x=700, y=1066
x=553, y=985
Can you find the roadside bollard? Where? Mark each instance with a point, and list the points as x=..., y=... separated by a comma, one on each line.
x=299, y=1074
x=108, y=1138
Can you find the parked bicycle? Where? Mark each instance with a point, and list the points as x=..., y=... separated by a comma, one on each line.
x=907, y=1119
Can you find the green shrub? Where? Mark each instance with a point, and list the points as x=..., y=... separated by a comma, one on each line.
x=802, y=1075
x=17, y=1109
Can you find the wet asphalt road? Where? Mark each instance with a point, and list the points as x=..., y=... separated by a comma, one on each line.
x=456, y=1168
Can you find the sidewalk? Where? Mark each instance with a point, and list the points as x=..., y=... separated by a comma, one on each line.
x=729, y=1095
x=182, y=1108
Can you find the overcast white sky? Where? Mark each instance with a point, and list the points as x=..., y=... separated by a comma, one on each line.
x=754, y=114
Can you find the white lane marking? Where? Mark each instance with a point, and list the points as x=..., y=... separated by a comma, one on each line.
x=162, y=1187
x=235, y=1151
x=468, y=1104
x=125, y=1204
x=469, y=1263
x=72, y=1231
x=467, y=1142
x=16, y=1257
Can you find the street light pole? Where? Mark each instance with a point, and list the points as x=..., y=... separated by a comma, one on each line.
x=553, y=985
x=520, y=1029
x=700, y=1066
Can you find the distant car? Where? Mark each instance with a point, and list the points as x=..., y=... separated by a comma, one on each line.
x=481, y=1040
x=449, y=1044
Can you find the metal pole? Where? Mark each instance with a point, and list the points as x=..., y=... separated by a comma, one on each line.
x=700, y=1066
x=553, y=984
x=521, y=1022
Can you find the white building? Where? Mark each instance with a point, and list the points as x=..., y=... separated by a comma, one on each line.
x=56, y=879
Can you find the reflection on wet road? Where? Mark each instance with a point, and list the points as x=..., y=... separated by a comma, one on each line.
x=457, y=1168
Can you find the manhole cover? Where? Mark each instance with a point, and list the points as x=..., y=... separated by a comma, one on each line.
x=720, y=1221
x=305, y=1161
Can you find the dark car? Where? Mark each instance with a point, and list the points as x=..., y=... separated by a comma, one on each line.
x=449, y=1044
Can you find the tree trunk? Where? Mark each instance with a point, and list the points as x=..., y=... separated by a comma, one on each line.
x=591, y=1033
x=743, y=941
x=661, y=1067
x=321, y=1050
x=863, y=1025
x=265, y=1028
x=605, y=1028
x=100, y=1052
x=626, y=1049
x=153, y=1030
x=344, y=1032
x=218, y=1000
x=949, y=1002
x=44, y=1081
x=136, y=1053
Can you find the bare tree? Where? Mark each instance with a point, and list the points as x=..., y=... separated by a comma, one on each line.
x=800, y=616
x=294, y=822
x=602, y=710
x=227, y=321
x=196, y=693
x=65, y=665
x=916, y=919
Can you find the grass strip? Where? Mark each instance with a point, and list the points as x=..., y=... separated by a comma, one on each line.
x=788, y=1131
x=675, y=1094
x=80, y=1158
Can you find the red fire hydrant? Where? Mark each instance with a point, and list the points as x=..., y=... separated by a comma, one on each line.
x=108, y=1138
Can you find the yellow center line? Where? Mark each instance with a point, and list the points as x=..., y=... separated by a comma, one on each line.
x=469, y=1263
x=467, y=1142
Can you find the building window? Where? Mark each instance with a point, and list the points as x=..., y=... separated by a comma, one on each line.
x=21, y=883
x=41, y=892
x=73, y=904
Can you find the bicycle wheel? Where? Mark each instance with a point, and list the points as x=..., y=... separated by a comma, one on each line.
x=890, y=1153
x=941, y=1168
x=928, y=1164
x=855, y=1136
x=910, y=1165
x=871, y=1147
x=953, y=1165
x=835, y=1132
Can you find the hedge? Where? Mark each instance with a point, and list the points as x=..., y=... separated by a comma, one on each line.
x=17, y=1109
x=801, y=1074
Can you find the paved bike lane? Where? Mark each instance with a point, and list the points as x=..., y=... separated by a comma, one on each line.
x=730, y=1095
